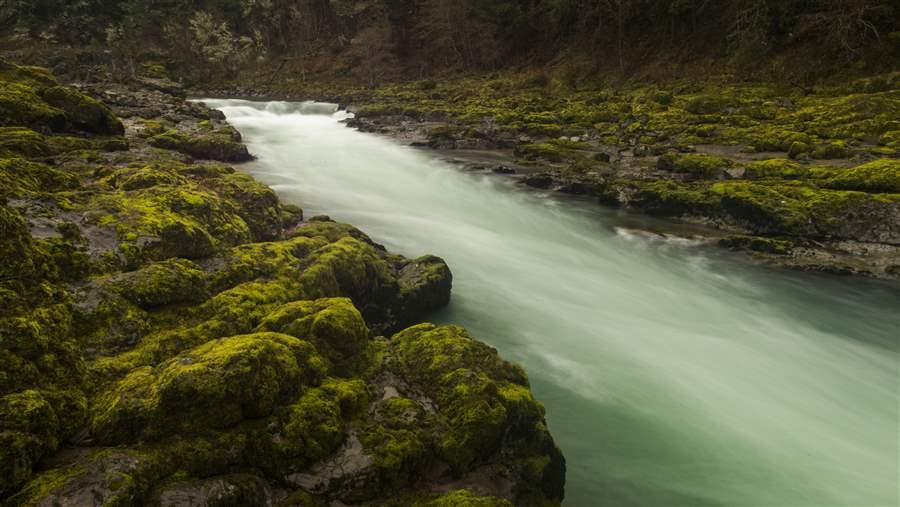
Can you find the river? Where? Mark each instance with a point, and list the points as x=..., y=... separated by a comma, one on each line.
x=673, y=374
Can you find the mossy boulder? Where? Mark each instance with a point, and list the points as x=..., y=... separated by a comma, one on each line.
x=695, y=165
x=767, y=209
x=425, y=284
x=880, y=176
x=24, y=178
x=831, y=150
x=257, y=204
x=165, y=221
x=663, y=197
x=215, y=146
x=101, y=477
x=485, y=401
x=215, y=385
x=137, y=178
x=162, y=283
x=23, y=142
x=83, y=112
x=334, y=326
x=28, y=432
x=20, y=105
x=776, y=168
x=706, y=104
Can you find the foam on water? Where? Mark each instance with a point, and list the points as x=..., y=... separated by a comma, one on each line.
x=672, y=374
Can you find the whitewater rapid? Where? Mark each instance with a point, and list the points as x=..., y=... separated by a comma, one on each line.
x=672, y=374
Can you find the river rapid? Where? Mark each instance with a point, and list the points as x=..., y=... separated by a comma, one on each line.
x=672, y=374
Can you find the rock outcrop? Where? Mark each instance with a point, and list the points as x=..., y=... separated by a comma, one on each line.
x=172, y=334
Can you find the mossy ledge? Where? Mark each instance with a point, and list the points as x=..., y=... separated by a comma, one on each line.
x=171, y=333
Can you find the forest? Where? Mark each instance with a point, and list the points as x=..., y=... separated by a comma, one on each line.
x=389, y=39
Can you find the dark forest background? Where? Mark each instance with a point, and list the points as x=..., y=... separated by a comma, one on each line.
x=378, y=40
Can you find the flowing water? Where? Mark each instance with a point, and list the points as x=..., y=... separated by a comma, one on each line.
x=672, y=374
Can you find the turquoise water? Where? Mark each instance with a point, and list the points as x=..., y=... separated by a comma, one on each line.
x=672, y=374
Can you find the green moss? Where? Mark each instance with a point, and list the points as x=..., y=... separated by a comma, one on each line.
x=481, y=396
x=256, y=203
x=334, y=326
x=83, y=112
x=22, y=141
x=44, y=486
x=23, y=178
x=20, y=105
x=878, y=176
x=399, y=453
x=463, y=498
x=768, y=209
x=28, y=432
x=151, y=128
x=313, y=428
x=215, y=385
x=706, y=104
x=891, y=139
x=694, y=164
x=666, y=198
x=831, y=150
x=396, y=413
x=161, y=222
x=757, y=244
x=132, y=178
x=776, y=168
x=211, y=146
x=161, y=283
x=777, y=139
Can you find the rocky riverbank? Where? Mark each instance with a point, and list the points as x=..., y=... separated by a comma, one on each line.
x=805, y=178
x=173, y=334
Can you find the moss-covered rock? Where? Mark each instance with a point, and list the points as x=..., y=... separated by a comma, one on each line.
x=161, y=283
x=82, y=112
x=880, y=176
x=776, y=168
x=485, y=401
x=20, y=105
x=23, y=178
x=257, y=204
x=215, y=385
x=165, y=221
x=22, y=141
x=334, y=326
x=664, y=198
x=217, y=146
x=28, y=432
x=696, y=165
x=104, y=477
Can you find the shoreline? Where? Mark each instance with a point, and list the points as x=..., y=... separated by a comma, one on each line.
x=500, y=155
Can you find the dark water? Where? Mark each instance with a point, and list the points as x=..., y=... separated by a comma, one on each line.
x=672, y=374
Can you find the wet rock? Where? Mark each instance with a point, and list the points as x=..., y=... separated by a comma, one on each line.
x=539, y=180
x=237, y=489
